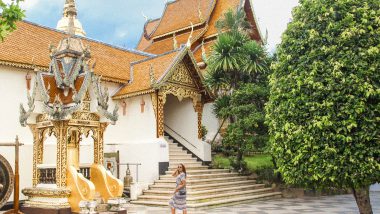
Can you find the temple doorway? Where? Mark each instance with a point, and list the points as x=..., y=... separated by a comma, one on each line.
x=181, y=120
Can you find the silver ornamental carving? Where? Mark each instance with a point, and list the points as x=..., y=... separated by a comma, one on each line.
x=69, y=62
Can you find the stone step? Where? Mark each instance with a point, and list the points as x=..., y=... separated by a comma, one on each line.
x=184, y=161
x=174, y=149
x=201, y=171
x=187, y=165
x=191, y=167
x=227, y=189
x=191, y=182
x=196, y=187
x=205, y=192
x=180, y=157
x=201, y=176
x=237, y=199
x=178, y=153
x=211, y=197
x=183, y=158
x=216, y=202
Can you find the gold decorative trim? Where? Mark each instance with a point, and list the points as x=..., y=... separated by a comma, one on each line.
x=154, y=102
x=199, y=110
x=23, y=65
x=134, y=94
x=62, y=128
x=46, y=205
x=115, y=80
x=178, y=30
x=47, y=192
x=160, y=118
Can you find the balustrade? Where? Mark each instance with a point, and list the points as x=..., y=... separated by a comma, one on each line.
x=47, y=175
x=85, y=171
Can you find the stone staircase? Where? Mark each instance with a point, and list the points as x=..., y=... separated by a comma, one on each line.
x=205, y=187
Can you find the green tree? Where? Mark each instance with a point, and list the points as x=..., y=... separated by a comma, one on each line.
x=9, y=15
x=234, y=61
x=248, y=130
x=324, y=109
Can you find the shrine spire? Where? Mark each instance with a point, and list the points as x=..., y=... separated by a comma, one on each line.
x=70, y=9
x=69, y=22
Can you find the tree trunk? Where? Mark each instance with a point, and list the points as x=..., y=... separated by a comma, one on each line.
x=362, y=200
x=240, y=159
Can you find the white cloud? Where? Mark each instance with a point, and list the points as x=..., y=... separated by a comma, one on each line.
x=29, y=4
x=26, y=4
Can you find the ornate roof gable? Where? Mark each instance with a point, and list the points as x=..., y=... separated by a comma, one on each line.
x=177, y=67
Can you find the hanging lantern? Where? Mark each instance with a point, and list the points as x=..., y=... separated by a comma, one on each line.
x=124, y=107
x=28, y=79
x=142, y=105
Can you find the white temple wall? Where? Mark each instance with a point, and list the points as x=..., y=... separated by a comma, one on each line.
x=13, y=91
x=181, y=118
x=210, y=121
x=134, y=126
x=134, y=136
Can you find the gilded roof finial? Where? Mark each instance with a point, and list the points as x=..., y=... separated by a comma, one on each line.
x=200, y=11
x=175, y=43
x=145, y=17
x=188, y=44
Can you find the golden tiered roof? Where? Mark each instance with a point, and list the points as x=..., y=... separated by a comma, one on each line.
x=178, y=17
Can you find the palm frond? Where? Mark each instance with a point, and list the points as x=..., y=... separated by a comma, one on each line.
x=233, y=21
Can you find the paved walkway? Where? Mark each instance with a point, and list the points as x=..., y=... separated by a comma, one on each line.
x=342, y=204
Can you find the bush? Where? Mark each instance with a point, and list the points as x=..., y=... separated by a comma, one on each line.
x=241, y=166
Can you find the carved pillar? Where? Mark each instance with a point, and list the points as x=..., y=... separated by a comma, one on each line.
x=36, y=152
x=160, y=117
x=199, y=110
x=61, y=134
x=154, y=102
x=99, y=143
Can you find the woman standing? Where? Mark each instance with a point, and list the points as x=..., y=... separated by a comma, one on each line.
x=178, y=202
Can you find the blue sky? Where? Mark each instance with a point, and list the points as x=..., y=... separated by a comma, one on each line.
x=120, y=22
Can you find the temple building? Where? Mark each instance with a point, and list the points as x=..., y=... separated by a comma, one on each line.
x=119, y=107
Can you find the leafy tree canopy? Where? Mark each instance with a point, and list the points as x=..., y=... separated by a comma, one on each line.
x=9, y=15
x=324, y=107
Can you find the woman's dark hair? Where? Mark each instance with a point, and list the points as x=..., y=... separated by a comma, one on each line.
x=183, y=169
